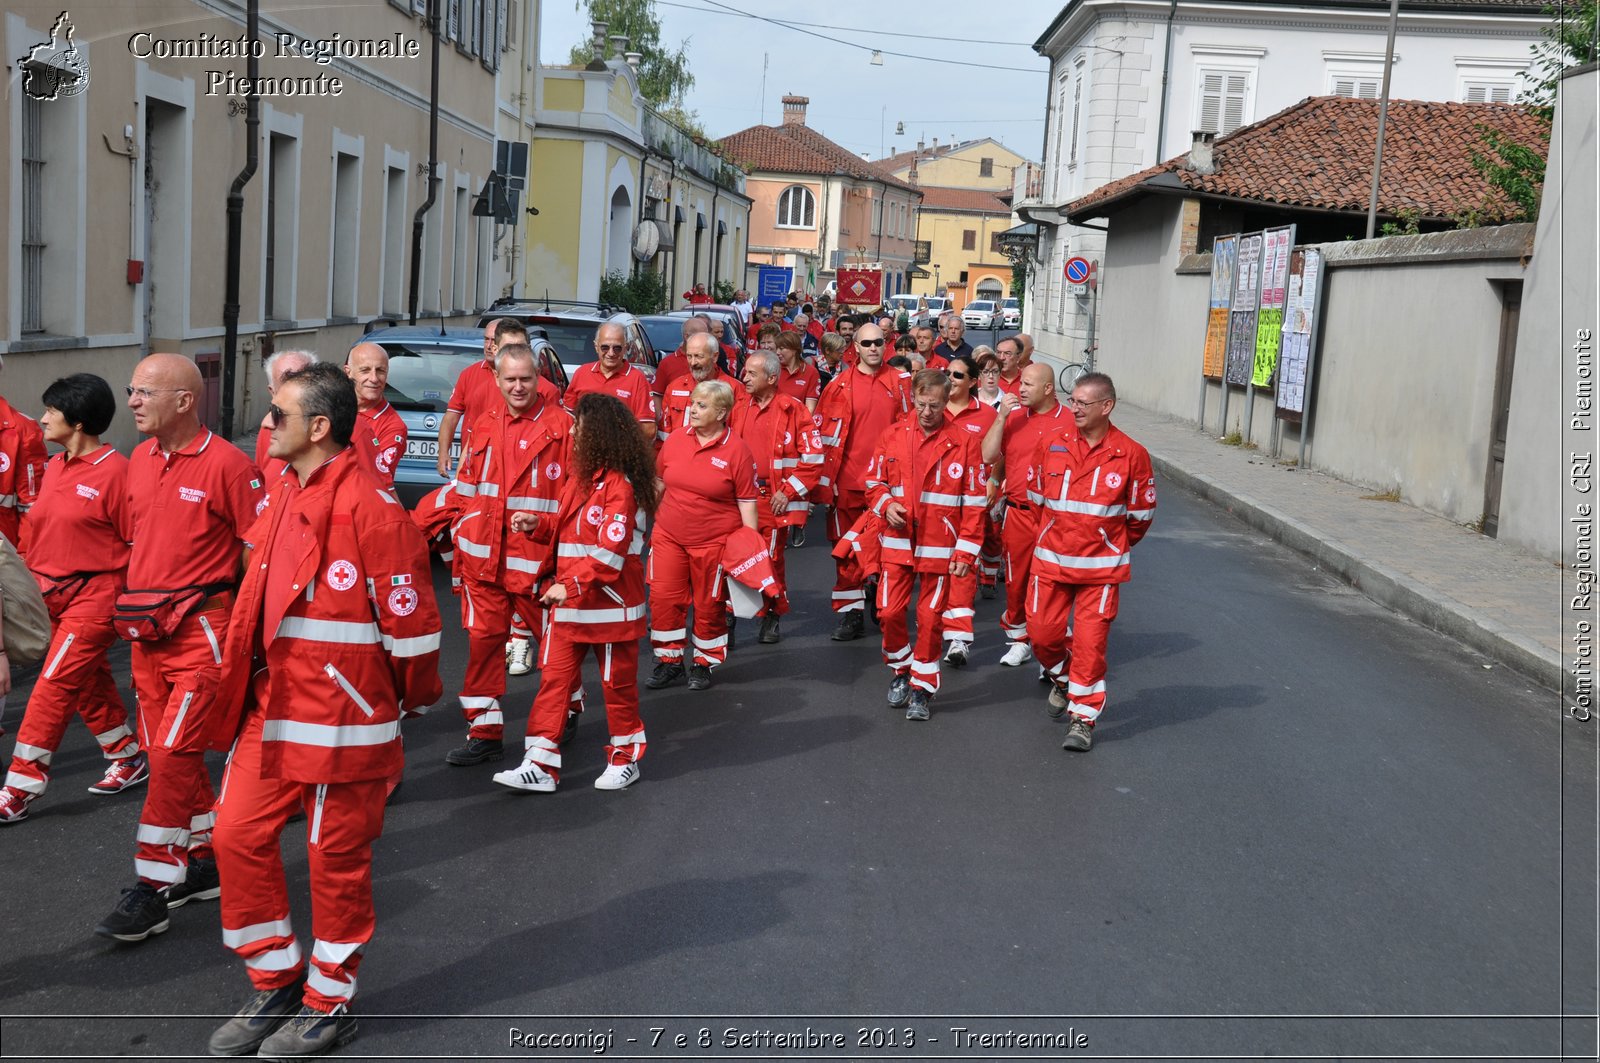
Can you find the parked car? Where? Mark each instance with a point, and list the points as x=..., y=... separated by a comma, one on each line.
x=732, y=327
x=1010, y=313
x=665, y=332
x=423, y=365
x=571, y=326
x=936, y=305
x=980, y=313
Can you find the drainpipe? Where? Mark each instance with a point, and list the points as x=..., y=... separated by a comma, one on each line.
x=716, y=190
x=1166, y=73
x=433, y=166
x=252, y=149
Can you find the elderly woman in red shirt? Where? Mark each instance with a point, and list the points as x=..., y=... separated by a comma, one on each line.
x=708, y=478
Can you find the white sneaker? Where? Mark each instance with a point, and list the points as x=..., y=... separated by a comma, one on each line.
x=956, y=655
x=617, y=776
x=1020, y=653
x=527, y=776
x=519, y=657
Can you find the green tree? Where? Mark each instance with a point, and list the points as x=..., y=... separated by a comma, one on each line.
x=1516, y=170
x=664, y=76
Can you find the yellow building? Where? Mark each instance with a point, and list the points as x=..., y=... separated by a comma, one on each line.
x=985, y=163
x=960, y=226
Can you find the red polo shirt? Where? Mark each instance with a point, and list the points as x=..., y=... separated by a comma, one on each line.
x=704, y=483
x=975, y=420
x=478, y=389
x=874, y=408
x=675, y=402
x=1009, y=387
x=81, y=521
x=805, y=385
x=190, y=509
x=379, y=439
x=669, y=369
x=628, y=384
x=1017, y=441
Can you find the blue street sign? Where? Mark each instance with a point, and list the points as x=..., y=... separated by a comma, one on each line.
x=1077, y=269
x=773, y=283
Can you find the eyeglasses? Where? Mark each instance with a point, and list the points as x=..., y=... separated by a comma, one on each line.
x=870, y=343
x=959, y=376
x=146, y=394
x=275, y=416
x=1081, y=403
x=929, y=405
x=604, y=347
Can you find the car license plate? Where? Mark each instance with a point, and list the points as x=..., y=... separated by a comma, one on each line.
x=429, y=448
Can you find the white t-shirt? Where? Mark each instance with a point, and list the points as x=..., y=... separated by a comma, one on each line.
x=746, y=308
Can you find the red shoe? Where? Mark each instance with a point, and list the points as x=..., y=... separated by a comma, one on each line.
x=14, y=805
x=121, y=774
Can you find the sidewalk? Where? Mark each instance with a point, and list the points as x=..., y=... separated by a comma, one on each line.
x=1494, y=598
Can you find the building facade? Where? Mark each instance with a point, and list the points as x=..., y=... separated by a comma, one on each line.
x=961, y=227
x=120, y=165
x=986, y=164
x=1129, y=82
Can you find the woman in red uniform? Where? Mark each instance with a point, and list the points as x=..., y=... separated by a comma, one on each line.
x=596, y=600
x=79, y=530
x=973, y=417
x=708, y=480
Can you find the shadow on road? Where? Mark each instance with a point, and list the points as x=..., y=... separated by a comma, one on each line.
x=1170, y=705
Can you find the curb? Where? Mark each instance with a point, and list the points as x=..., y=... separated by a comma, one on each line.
x=1383, y=585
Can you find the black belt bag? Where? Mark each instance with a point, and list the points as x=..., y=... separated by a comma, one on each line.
x=152, y=615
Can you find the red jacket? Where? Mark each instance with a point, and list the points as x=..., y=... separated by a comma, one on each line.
x=834, y=412
x=498, y=478
x=675, y=402
x=793, y=462
x=599, y=558
x=939, y=479
x=348, y=653
x=22, y=458
x=1095, y=504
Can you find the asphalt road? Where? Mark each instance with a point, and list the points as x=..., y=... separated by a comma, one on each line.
x=1307, y=827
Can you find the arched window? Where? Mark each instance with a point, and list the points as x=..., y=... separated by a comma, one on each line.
x=797, y=208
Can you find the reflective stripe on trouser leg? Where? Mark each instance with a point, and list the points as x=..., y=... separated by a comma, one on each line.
x=668, y=576
x=622, y=703
x=894, y=596
x=848, y=576
x=488, y=610
x=342, y=917
x=929, y=647
x=176, y=682
x=251, y=814
x=993, y=552
x=561, y=669
x=1093, y=610
x=1017, y=535
x=75, y=680
x=777, y=543
x=958, y=612
x=1049, y=608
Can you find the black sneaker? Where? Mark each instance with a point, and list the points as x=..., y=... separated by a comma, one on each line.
x=699, y=677
x=851, y=626
x=918, y=709
x=141, y=912
x=261, y=1014
x=476, y=751
x=666, y=674
x=310, y=1033
x=1079, y=736
x=987, y=590
x=769, y=629
x=797, y=536
x=199, y=884
x=569, y=728
x=899, y=691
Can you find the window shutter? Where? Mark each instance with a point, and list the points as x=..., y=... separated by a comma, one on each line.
x=810, y=205
x=452, y=21
x=969, y=239
x=1077, y=111
x=1233, y=106
x=1210, y=102
x=986, y=167
x=1344, y=87
x=474, y=27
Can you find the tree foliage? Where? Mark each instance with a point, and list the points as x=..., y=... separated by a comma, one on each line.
x=644, y=292
x=664, y=75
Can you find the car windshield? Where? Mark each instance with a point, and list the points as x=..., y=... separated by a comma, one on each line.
x=422, y=375
x=665, y=333
x=1010, y=304
x=573, y=340
x=980, y=305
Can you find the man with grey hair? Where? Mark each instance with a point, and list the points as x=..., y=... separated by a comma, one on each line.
x=788, y=452
x=676, y=364
x=277, y=367
x=700, y=354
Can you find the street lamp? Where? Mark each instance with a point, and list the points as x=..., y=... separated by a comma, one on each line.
x=936, y=278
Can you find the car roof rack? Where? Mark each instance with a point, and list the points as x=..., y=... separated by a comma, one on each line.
x=379, y=322
x=548, y=303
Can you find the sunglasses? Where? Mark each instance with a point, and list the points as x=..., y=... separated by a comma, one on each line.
x=959, y=376
x=869, y=343
x=275, y=416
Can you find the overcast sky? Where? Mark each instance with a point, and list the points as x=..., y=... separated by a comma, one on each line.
x=853, y=102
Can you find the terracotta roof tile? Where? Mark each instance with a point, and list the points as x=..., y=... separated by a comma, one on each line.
x=1318, y=154
x=801, y=149
x=975, y=200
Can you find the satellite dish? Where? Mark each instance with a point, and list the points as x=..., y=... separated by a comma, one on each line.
x=646, y=238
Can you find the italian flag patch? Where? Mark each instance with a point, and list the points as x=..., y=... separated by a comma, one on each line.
x=255, y=485
x=400, y=581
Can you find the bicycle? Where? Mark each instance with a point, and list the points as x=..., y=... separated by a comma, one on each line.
x=1070, y=374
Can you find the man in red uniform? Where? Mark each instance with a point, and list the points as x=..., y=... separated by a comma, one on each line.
x=1023, y=417
x=193, y=496
x=855, y=408
x=674, y=365
x=334, y=638
x=845, y=325
x=477, y=391
x=697, y=296
x=1012, y=364
x=926, y=483
x=610, y=374
x=788, y=452
x=1099, y=494
x=924, y=335
x=277, y=367
x=728, y=352
x=516, y=464
x=700, y=355
x=379, y=437
x=22, y=458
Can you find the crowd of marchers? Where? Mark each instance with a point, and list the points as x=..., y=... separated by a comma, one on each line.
x=282, y=609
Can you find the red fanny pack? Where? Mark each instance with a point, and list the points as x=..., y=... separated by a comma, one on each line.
x=149, y=616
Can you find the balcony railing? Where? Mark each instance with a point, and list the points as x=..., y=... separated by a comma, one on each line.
x=1029, y=187
x=668, y=139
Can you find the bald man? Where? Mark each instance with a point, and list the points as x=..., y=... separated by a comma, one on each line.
x=192, y=495
x=277, y=367
x=379, y=437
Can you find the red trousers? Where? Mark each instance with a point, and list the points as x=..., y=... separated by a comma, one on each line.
x=176, y=682
x=680, y=575
x=1019, y=534
x=1076, y=662
x=777, y=542
x=958, y=611
x=894, y=599
x=342, y=822
x=848, y=579
x=993, y=553
x=487, y=612
x=561, y=668
x=75, y=679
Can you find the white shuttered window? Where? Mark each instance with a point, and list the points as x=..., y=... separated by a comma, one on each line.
x=1224, y=100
